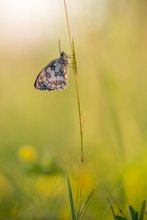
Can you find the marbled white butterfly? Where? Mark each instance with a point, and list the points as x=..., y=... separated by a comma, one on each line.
x=54, y=75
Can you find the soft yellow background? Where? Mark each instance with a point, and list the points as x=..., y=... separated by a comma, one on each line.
x=111, y=51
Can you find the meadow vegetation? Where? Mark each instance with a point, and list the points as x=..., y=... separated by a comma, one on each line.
x=40, y=134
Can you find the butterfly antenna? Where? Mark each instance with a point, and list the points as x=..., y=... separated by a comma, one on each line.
x=59, y=44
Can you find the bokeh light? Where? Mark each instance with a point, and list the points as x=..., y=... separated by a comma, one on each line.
x=110, y=43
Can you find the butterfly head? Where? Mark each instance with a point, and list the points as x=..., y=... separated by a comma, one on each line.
x=64, y=57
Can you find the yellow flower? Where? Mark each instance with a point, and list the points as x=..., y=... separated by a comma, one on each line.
x=49, y=185
x=27, y=153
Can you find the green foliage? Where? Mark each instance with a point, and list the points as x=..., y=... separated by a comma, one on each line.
x=82, y=211
x=142, y=210
x=120, y=218
x=133, y=214
x=73, y=213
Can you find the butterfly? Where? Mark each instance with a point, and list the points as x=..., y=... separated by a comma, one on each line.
x=54, y=75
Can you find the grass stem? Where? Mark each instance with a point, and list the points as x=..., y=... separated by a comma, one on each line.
x=68, y=25
x=75, y=71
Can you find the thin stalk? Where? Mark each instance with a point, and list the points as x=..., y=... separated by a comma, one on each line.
x=76, y=81
x=78, y=100
x=81, y=129
x=68, y=26
x=73, y=214
x=75, y=71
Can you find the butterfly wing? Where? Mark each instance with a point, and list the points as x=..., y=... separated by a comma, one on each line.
x=52, y=77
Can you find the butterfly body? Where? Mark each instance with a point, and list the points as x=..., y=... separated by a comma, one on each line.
x=54, y=75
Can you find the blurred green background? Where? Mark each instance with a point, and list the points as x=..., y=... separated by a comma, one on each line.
x=40, y=138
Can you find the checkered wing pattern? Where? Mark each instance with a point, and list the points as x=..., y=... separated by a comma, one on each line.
x=54, y=75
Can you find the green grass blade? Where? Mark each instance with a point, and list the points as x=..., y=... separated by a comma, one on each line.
x=120, y=218
x=83, y=209
x=106, y=210
x=133, y=213
x=142, y=210
x=73, y=213
x=113, y=213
